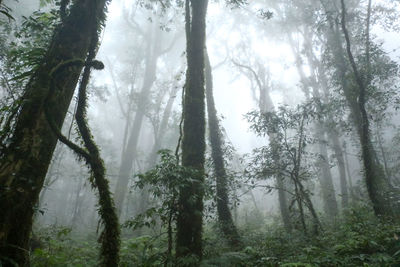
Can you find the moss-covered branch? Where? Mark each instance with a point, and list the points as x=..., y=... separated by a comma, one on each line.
x=110, y=238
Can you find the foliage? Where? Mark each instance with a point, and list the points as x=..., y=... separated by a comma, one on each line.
x=164, y=181
x=360, y=240
x=58, y=248
x=287, y=156
x=141, y=251
x=30, y=43
x=6, y=11
x=22, y=49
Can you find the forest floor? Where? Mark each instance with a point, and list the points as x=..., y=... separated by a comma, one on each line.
x=357, y=238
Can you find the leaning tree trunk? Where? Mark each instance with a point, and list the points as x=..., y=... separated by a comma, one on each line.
x=130, y=151
x=374, y=176
x=224, y=214
x=24, y=163
x=190, y=212
x=319, y=81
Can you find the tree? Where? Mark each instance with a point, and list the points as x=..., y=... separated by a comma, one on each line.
x=292, y=138
x=189, y=221
x=374, y=176
x=328, y=191
x=24, y=162
x=153, y=51
x=224, y=214
x=265, y=104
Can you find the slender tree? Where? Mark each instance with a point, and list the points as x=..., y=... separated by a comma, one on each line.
x=190, y=213
x=265, y=104
x=24, y=162
x=326, y=181
x=224, y=214
x=153, y=51
x=374, y=176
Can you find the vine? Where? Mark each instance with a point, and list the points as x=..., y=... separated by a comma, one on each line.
x=110, y=237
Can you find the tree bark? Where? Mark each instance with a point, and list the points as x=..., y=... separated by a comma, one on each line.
x=24, y=163
x=190, y=211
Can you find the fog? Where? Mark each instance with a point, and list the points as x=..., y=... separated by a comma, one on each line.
x=281, y=101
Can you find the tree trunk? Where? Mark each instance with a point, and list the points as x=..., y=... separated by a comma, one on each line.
x=224, y=214
x=163, y=127
x=328, y=191
x=265, y=104
x=325, y=179
x=283, y=205
x=190, y=212
x=341, y=166
x=320, y=81
x=374, y=176
x=152, y=54
x=23, y=165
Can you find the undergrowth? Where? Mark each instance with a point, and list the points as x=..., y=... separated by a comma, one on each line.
x=356, y=239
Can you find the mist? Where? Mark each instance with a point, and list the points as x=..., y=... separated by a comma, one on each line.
x=199, y=133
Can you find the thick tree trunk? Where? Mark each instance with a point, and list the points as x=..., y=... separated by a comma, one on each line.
x=23, y=165
x=190, y=213
x=224, y=214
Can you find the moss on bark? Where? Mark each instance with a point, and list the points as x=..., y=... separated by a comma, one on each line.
x=24, y=163
x=189, y=221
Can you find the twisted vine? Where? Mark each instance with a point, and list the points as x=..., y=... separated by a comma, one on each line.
x=110, y=237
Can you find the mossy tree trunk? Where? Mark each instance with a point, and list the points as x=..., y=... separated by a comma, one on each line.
x=24, y=163
x=376, y=182
x=377, y=185
x=190, y=210
x=224, y=214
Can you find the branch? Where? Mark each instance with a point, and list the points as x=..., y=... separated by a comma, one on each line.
x=359, y=80
x=110, y=68
x=252, y=71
